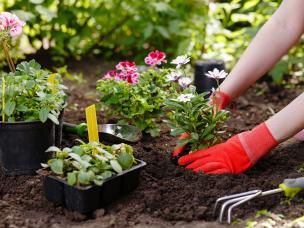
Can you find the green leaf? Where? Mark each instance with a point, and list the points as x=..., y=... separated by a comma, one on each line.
x=57, y=166
x=43, y=114
x=116, y=166
x=9, y=108
x=36, y=1
x=53, y=149
x=82, y=162
x=163, y=31
x=72, y=178
x=53, y=118
x=125, y=160
x=84, y=177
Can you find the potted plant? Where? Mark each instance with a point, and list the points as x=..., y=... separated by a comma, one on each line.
x=30, y=106
x=198, y=116
x=137, y=98
x=90, y=175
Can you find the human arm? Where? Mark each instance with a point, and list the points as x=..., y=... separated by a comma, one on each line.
x=273, y=40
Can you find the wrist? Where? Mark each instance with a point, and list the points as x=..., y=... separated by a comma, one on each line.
x=221, y=99
x=257, y=142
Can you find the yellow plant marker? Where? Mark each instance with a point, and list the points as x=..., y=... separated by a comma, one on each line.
x=92, y=123
x=51, y=80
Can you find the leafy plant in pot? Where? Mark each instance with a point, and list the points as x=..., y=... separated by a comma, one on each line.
x=90, y=175
x=199, y=117
x=30, y=106
x=137, y=98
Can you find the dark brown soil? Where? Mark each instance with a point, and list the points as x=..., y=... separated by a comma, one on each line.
x=167, y=195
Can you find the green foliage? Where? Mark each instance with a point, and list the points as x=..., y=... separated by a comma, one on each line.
x=192, y=113
x=29, y=96
x=90, y=163
x=233, y=24
x=76, y=28
x=138, y=104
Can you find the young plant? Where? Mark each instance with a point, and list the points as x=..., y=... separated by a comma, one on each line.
x=137, y=98
x=28, y=94
x=90, y=163
x=192, y=113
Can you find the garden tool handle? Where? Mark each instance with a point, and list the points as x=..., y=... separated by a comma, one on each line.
x=292, y=187
x=80, y=129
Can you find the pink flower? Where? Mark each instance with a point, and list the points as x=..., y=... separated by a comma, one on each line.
x=11, y=23
x=110, y=74
x=126, y=71
x=132, y=78
x=126, y=66
x=155, y=58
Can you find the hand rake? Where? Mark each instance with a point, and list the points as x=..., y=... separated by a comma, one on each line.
x=290, y=187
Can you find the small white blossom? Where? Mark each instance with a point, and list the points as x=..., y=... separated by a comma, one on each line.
x=180, y=60
x=185, y=97
x=216, y=74
x=184, y=82
x=173, y=76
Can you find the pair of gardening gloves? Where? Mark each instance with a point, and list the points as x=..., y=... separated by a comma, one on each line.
x=236, y=155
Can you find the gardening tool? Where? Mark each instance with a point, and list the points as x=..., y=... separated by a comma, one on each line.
x=115, y=133
x=290, y=187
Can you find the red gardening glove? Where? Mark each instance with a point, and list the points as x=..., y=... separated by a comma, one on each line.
x=177, y=150
x=236, y=155
x=220, y=99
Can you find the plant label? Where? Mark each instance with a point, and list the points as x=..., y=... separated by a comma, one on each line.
x=92, y=123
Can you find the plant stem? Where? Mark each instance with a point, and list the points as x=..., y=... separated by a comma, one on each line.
x=3, y=99
x=8, y=57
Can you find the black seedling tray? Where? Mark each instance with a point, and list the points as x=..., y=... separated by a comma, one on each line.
x=89, y=198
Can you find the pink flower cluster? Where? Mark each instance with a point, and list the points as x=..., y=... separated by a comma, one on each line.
x=11, y=23
x=155, y=58
x=125, y=71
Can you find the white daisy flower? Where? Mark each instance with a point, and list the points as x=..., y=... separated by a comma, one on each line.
x=180, y=60
x=216, y=74
x=185, y=97
x=184, y=82
x=173, y=76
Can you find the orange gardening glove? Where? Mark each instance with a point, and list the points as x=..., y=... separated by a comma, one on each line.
x=236, y=155
x=222, y=100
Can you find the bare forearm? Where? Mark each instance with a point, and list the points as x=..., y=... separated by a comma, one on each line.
x=274, y=39
x=288, y=121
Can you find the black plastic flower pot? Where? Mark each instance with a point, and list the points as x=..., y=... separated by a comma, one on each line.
x=58, y=130
x=201, y=81
x=89, y=198
x=23, y=146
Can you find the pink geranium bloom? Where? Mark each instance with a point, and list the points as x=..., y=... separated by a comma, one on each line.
x=110, y=74
x=155, y=58
x=126, y=66
x=11, y=23
x=132, y=78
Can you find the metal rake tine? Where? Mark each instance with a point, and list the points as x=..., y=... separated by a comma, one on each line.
x=225, y=198
x=245, y=199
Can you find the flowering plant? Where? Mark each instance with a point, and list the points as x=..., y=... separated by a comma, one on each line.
x=28, y=92
x=191, y=112
x=137, y=97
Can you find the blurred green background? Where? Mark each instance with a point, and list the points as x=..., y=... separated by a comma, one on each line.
x=116, y=29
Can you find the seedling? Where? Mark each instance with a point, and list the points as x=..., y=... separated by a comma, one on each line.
x=90, y=163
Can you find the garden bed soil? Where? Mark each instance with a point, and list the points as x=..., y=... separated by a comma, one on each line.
x=168, y=196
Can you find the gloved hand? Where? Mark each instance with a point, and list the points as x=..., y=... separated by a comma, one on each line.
x=221, y=100
x=236, y=155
